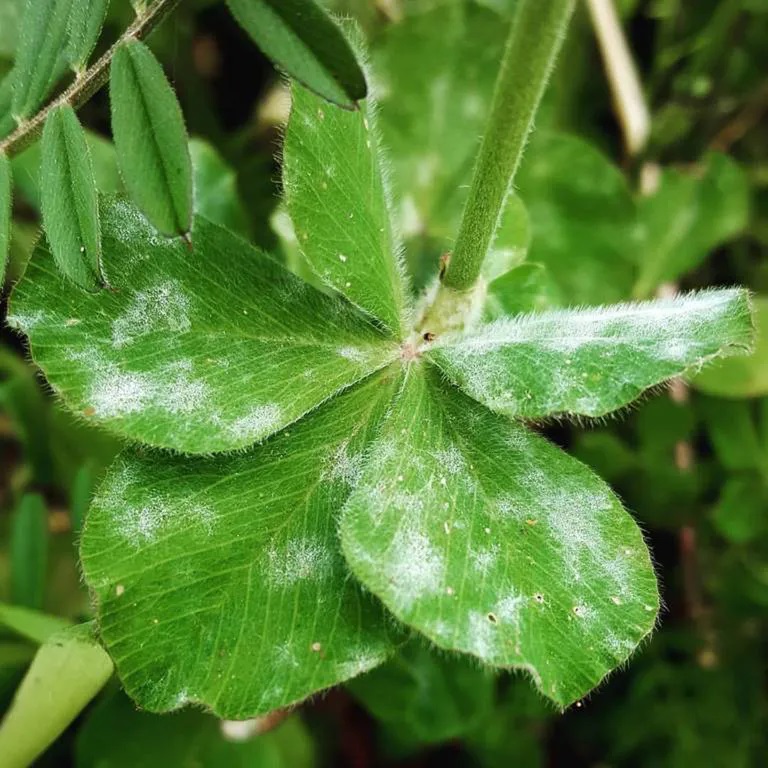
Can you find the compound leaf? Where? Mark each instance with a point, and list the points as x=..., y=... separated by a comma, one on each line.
x=336, y=198
x=70, y=200
x=201, y=351
x=70, y=668
x=42, y=38
x=300, y=37
x=235, y=560
x=151, y=138
x=493, y=542
x=593, y=361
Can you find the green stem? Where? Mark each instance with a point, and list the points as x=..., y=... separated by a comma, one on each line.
x=91, y=80
x=534, y=41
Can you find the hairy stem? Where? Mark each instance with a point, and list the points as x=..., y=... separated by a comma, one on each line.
x=89, y=82
x=534, y=41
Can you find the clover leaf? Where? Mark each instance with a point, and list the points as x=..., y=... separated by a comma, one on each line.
x=357, y=474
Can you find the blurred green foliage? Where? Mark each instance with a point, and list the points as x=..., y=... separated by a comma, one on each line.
x=693, y=469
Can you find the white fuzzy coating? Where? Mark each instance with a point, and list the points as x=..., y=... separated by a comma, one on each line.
x=160, y=308
x=414, y=567
x=296, y=560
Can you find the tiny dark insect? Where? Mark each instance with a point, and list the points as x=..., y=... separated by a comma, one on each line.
x=428, y=336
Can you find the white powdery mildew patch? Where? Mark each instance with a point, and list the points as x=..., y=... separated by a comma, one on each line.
x=258, y=422
x=298, y=560
x=145, y=522
x=26, y=321
x=484, y=560
x=117, y=482
x=619, y=570
x=129, y=225
x=344, y=466
x=414, y=568
x=163, y=307
x=451, y=460
x=510, y=609
x=140, y=524
x=482, y=635
x=118, y=393
x=362, y=662
x=508, y=507
x=183, y=394
x=353, y=354
x=575, y=519
x=114, y=392
x=617, y=647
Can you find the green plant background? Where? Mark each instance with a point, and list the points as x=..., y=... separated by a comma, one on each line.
x=693, y=468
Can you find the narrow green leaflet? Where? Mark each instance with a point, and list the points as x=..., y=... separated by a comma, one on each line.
x=85, y=22
x=27, y=177
x=493, y=542
x=151, y=139
x=200, y=350
x=7, y=121
x=741, y=376
x=29, y=551
x=117, y=735
x=10, y=17
x=6, y=203
x=67, y=672
x=42, y=38
x=70, y=200
x=220, y=580
x=336, y=198
x=300, y=37
x=688, y=216
x=590, y=362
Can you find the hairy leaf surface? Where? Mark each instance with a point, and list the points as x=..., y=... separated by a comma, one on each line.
x=300, y=37
x=336, y=198
x=42, y=38
x=151, y=138
x=70, y=200
x=493, y=542
x=590, y=362
x=203, y=350
x=221, y=581
x=85, y=22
